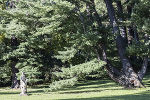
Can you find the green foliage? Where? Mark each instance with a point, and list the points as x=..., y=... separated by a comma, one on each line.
x=80, y=71
x=5, y=73
x=141, y=16
x=69, y=76
x=32, y=74
x=1, y=37
x=63, y=84
x=138, y=49
x=38, y=28
x=66, y=55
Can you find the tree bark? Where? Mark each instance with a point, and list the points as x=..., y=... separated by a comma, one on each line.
x=132, y=77
x=114, y=73
x=142, y=72
x=133, y=34
x=15, y=82
x=131, y=29
x=121, y=18
x=127, y=77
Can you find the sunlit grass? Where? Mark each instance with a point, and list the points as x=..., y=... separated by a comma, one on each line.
x=89, y=90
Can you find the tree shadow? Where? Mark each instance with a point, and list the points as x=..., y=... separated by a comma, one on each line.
x=138, y=96
x=9, y=93
x=36, y=91
x=99, y=86
x=86, y=91
x=95, y=84
x=30, y=92
x=147, y=84
x=40, y=86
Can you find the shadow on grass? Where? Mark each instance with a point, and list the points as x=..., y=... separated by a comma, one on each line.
x=82, y=87
x=30, y=92
x=91, y=85
x=139, y=96
x=40, y=86
x=86, y=91
x=36, y=91
x=7, y=93
x=94, y=82
x=98, y=86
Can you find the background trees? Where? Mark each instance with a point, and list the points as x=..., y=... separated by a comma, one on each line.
x=62, y=36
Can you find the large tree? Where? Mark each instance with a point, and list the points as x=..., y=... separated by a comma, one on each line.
x=32, y=36
x=131, y=45
x=127, y=76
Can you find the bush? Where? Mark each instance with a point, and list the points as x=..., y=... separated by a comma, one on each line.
x=69, y=76
x=63, y=83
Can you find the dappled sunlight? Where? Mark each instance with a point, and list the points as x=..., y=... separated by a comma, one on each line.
x=88, y=90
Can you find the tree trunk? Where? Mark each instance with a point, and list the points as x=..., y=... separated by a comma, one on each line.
x=133, y=34
x=127, y=77
x=132, y=77
x=15, y=82
x=142, y=72
x=114, y=73
x=131, y=29
x=121, y=18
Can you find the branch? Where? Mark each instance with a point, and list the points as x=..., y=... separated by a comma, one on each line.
x=121, y=18
x=142, y=72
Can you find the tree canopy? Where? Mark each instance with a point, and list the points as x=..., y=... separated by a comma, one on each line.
x=65, y=41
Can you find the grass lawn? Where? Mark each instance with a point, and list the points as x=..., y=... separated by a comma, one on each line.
x=90, y=90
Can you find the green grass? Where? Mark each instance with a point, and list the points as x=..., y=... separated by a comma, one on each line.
x=90, y=90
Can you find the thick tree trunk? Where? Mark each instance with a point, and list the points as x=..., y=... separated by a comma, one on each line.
x=15, y=82
x=114, y=73
x=132, y=77
x=127, y=77
x=120, y=15
x=142, y=72
x=121, y=18
x=131, y=29
x=133, y=34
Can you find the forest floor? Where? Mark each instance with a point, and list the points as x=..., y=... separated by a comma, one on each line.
x=89, y=90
